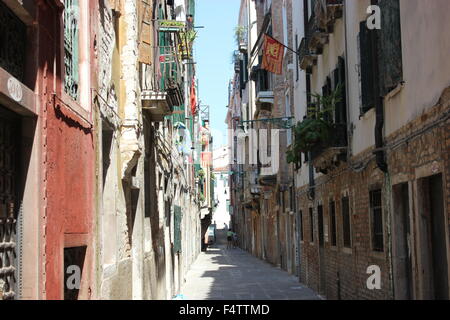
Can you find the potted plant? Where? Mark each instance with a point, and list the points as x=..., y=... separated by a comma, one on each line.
x=314, y=132
x=240, y=33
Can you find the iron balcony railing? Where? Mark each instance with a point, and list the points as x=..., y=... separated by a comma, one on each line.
x=167, y=75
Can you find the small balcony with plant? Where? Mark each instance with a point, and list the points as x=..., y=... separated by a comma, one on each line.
x=319, y=26
x=162, y=82
x=264, y=92
x=319, y=136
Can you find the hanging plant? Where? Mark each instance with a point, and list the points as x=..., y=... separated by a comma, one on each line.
x=187, y=42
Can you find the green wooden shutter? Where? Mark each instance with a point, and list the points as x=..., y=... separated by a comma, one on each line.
x=390, y=46
x=367, y=68
x=339, y=78
x=177, y=226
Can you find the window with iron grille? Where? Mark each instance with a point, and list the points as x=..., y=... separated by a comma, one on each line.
x=376, y=212
x=71, y=42
x=346, y=222
x=311, y=224
x=333, y=223
x=13, y=37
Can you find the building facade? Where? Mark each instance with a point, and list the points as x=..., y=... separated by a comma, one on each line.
x=368, y=151
x=98, y=199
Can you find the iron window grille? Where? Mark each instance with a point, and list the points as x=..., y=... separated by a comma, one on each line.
x=377, y=220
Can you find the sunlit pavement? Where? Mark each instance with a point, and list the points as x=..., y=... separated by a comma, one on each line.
x=233, y=274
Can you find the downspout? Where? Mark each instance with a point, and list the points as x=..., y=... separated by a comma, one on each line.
x=379, y=108
x=380, y=151
x=347, y=87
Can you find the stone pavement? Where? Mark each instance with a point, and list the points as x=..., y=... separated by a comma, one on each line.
x=233, y=274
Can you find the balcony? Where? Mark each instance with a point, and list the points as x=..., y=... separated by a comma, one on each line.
x=162, y=90
x=334, y=12
x=306, y=58
x=266, y=176
x=264, y=93
x=319, y=26
x=316, y=35
x=334, y=152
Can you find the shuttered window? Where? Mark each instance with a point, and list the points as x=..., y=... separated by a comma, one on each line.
x=339, y=79
x=367, y=55
x=311, y=224
x=177, y=226
x=377, y=220
x=301, y=225
x=382, y=47
x=145, y=32
x=333, y=223
x=346, y=222
x=390, y=46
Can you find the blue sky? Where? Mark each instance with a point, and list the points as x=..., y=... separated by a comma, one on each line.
x=214, y=47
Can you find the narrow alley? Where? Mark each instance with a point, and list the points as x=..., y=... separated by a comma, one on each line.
x=140, y=139
x=234, y=274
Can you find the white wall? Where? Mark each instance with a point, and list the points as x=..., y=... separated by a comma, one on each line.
x=426, y=67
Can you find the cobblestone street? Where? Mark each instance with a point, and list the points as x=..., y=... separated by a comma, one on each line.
x=233, y=274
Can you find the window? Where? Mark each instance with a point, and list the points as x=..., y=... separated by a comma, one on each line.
x=301, y=225
x=333, y=232
x=13, y=37
x=368, y=71
x=288, y=115
x=71, y=45
x=381, y=55
x=340, y=112
x=311, y=224
x=390, y=46
x=346, y=222
x=376, y=212
x=320, y=225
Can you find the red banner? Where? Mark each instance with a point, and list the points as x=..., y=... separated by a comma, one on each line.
x=273, y=53
x=206, y=159
x=193, y=98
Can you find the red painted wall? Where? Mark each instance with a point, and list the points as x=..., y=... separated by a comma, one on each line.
x=68, y=163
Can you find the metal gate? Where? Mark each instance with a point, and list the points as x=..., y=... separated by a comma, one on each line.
x=9, y=171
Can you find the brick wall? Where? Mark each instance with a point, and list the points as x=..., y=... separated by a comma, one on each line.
x=424, y=141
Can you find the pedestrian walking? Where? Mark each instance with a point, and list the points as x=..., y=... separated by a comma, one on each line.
x=229, y=238
x=235, y=240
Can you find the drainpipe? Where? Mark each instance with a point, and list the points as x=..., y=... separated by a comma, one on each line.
x=347, y=87
x=379, y=110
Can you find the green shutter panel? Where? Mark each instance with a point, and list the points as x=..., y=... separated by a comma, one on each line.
x=341, y=116
x=390, y=46
x=367, y=69
x=177, y=231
